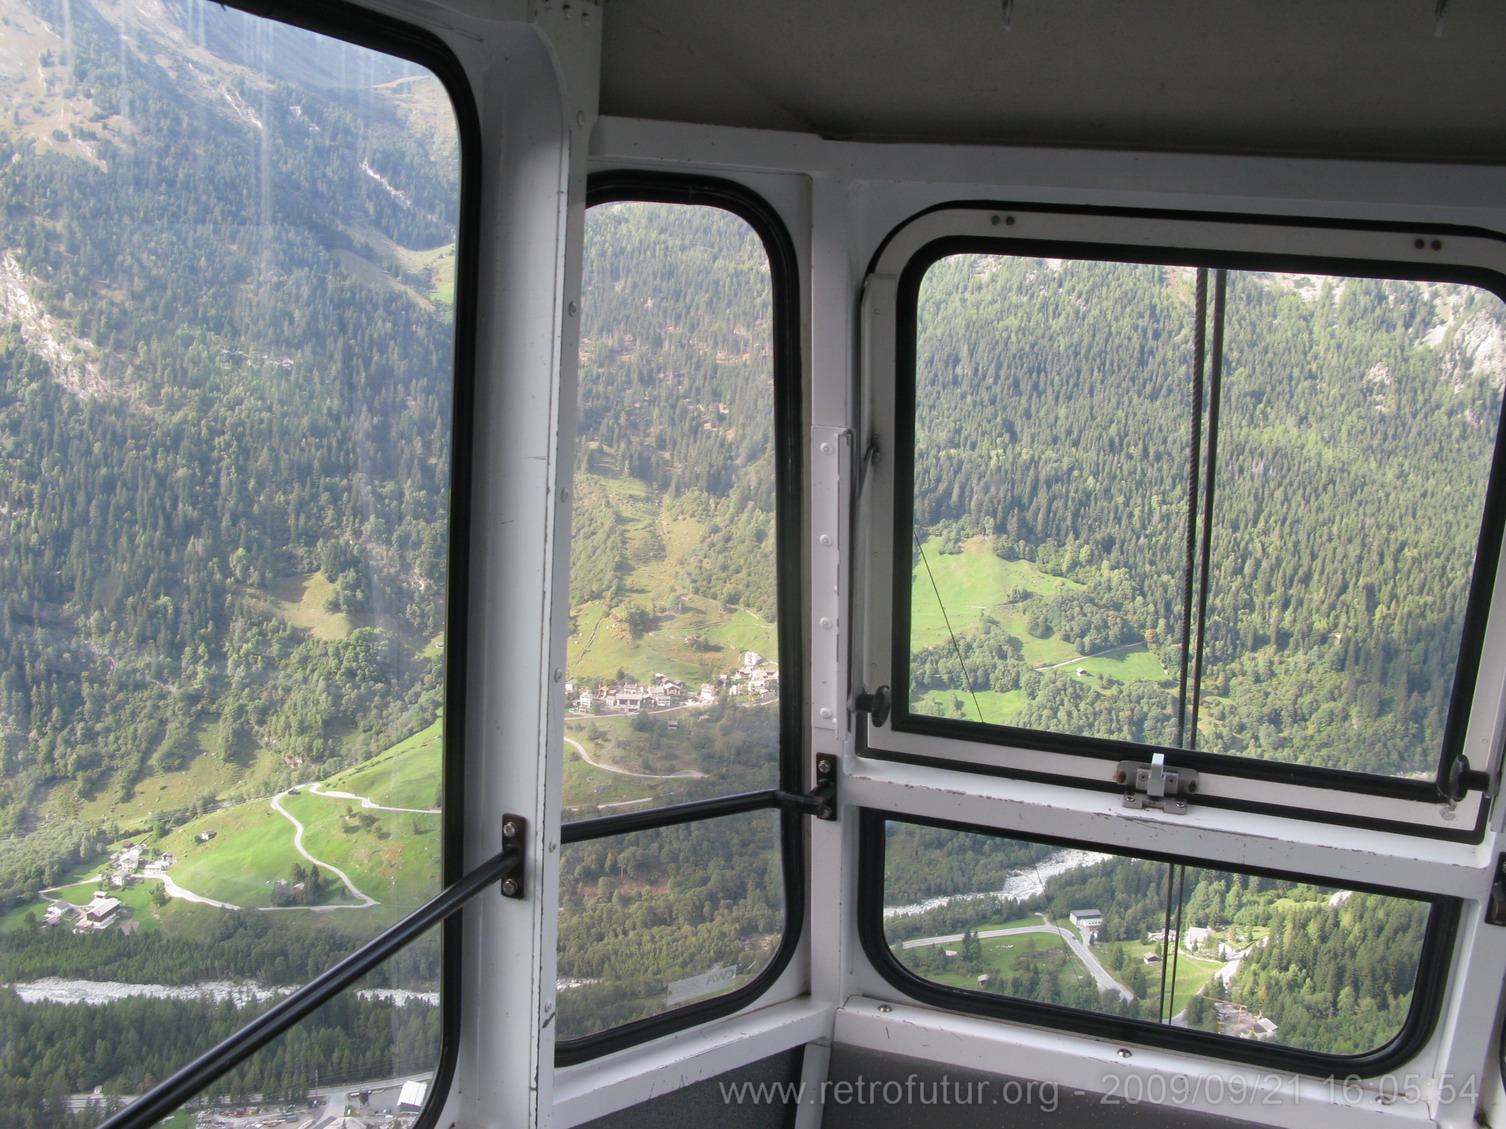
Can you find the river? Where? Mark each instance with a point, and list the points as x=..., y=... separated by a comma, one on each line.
x=55, y=989
x=1018, y=886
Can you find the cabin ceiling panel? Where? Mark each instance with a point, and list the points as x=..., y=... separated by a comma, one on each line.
x=1381, y=79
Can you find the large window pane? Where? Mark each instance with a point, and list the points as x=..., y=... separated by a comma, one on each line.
x=655, y=920
x=1300, y=964
x=226, y=337
x=1228, y=511
x=673, y=681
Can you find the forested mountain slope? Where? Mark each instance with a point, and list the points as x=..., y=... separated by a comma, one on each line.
x=1356, y=426
x=224, y=358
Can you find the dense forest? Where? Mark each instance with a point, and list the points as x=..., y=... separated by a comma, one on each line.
x=1356, y=423
x=128, y=1045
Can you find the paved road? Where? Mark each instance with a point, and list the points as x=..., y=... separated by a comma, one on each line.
x=1105, y=982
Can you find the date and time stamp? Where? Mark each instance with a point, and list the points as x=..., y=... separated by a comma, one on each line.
x=1272, y=1089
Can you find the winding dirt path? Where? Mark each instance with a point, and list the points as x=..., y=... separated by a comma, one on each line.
x=366, y=901
x=580, y=751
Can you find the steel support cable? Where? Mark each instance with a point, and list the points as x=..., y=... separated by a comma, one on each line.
x=1166, y=924
x=209, y=1067
x=1176, y=946
x=952, y=635
x=1194, y=465
x=1215, y=398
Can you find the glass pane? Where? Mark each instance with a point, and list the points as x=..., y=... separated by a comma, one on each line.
x=1359, y=417
x=1239, y=955
x=1051, y=477
x=1326, y=467
x=370, y=1050
x=655, y=920
x=673, y=680
x=226, y=337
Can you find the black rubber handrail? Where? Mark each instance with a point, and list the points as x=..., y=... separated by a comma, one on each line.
x=203, y=1071
x=692, y=811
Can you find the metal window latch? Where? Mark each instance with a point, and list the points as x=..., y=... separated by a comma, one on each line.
x=820, y=801
x=875, y=705
x=1461, y=780
x=1156, y=786
x=514, y=835
x=1495, y=909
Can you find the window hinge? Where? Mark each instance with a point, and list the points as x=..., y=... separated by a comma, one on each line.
x=514, y=835
x=1156, y=786
x=820, y=801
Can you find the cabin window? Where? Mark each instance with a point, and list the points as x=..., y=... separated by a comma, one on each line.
x=227, y=387
x=681, y=666
x=1190, y=526
x=1267, y=968
x=1208, y=503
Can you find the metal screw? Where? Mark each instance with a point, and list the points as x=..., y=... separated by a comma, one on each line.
x=825, y=812
x=559, y=674
x=826, y=538
x=574, y=308
x=823, y=768
x=509, y=886
x=826, y=713
x=1125, y=1052
x=885, y=1008
x=509, y=831
x=995, y=220
x=827, y=448
x=580, y=117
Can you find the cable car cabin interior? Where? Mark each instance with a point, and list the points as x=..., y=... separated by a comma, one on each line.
x=787, y=564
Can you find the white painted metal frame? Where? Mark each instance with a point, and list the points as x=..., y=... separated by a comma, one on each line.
x=533, y=67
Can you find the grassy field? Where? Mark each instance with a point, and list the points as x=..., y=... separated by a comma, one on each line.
x=299, y=602
x=390, y=856
x=589, y=789
x=408, y=775
x=165, y=791
x=973, y=583
x=1192, y=973
x=693, y=638
x=252, y=847
x=1003, y=956
x=995, y=708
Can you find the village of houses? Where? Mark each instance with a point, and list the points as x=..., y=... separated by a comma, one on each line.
x=756, y=678
x=129, y=864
